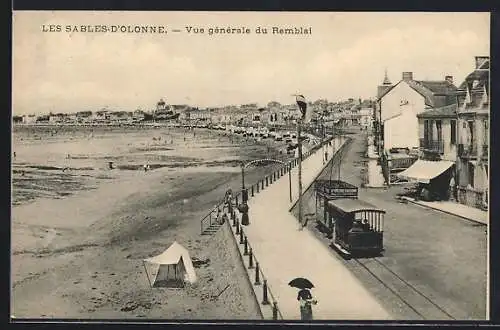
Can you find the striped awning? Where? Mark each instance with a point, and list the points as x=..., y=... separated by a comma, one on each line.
x=425, y=170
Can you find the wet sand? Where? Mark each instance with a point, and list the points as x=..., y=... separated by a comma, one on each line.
x=81, y=256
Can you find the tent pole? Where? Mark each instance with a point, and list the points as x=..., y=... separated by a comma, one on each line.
x=144, y=265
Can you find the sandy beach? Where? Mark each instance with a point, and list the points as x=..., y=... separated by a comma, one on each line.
x=80, y=256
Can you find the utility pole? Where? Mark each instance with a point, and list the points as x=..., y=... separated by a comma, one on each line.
x=300, y=171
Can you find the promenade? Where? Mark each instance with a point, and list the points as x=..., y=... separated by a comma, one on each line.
x=285, y=252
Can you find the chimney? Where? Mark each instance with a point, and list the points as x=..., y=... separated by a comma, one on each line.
x=449, y=79
x=480, y=60
x=407, y=76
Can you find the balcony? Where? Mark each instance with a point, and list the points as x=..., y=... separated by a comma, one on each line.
x=467, y=150
x=436, y=146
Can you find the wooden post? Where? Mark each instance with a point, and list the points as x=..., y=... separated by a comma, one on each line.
x=257, y=273
x=241, y=236
x=250, y=259
x=265, y=300
x=245, y=245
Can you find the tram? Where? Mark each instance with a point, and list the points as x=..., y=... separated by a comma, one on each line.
x=355, y=227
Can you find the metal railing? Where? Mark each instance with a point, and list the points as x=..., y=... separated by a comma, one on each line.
x=401, y=163
x=432, y=145
x=210, y=218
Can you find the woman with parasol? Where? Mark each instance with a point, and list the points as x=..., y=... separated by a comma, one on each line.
x=304, y=297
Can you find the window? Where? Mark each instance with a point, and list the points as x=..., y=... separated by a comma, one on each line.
x=471, y=132
x=471, y=174
x=439, y=129
x=427, y=131
x=453, y=125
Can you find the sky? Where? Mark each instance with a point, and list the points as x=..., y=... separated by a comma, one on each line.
x=345, y=56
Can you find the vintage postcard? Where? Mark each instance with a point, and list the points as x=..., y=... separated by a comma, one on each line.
x=250, y=166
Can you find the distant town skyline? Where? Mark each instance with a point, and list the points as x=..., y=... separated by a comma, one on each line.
x=345, y=56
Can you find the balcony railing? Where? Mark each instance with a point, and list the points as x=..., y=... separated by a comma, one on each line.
x=432, y=145
x=467, y=150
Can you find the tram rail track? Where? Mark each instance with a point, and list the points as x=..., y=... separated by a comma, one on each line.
x=410, y=296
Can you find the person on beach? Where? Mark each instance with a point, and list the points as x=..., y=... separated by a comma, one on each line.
x=306, y=301
x=14, y=155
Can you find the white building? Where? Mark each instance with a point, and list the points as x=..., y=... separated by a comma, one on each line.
x=400, y=104
x=366, y=117
x=29, y=119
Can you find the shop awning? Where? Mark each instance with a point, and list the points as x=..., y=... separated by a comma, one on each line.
x=425, y=170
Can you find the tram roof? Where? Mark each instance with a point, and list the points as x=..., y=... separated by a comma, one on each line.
x=349, y=205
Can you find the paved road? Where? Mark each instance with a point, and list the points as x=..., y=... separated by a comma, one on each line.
x=284, y=253
x=442, y=258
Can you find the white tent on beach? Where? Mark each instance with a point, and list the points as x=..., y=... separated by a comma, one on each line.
x=172, y=268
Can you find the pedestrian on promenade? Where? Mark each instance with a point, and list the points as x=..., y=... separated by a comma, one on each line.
x=306, y=301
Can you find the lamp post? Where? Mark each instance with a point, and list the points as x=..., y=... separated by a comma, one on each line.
x=243, y=207
x=300, y=171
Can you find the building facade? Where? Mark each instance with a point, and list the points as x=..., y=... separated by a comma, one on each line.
x=473, y=136
x=438, y=132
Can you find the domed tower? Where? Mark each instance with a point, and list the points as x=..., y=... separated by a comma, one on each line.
x=386, y=84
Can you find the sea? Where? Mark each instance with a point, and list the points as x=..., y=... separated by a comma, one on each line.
x=56, y=162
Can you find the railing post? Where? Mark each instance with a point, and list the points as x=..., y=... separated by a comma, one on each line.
x=210, y=218
x=245, y=245
x=237, y=226
x=241, y=236
x=258, y=186
x=250, y=259
x=265, y=300
x=233, y=217
x=257, y=273
x=275, y=310
x=252, y=190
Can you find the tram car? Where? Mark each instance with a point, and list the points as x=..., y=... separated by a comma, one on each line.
x=354, y=226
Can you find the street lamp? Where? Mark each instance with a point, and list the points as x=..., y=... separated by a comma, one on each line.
x=243, y=207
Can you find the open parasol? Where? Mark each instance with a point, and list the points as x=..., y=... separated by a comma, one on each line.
x=301, y=283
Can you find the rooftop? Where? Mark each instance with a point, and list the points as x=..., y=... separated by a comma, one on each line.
x=442, y=112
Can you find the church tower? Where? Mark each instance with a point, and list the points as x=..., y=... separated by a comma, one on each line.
x=386, y=84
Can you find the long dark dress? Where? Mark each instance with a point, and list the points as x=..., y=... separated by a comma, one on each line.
x=305, y=298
